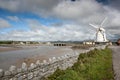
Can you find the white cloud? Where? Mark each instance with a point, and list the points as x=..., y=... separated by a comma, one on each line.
x=114, y=17
x=4, y=23
x=78, y=9
x=44, y=33
x=34, y=6
x=13, y=18
x=81, y=13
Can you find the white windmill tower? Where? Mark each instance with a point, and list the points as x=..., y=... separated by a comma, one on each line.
x=100, y=32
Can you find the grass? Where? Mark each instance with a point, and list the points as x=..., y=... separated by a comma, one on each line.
x=94, y=65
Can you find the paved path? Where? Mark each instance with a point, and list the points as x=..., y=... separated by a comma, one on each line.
x=116, y=61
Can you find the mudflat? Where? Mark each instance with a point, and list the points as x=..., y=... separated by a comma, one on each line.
x=4, y=49
x=16, y=55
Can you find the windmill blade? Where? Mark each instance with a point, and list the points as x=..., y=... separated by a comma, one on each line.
x=93, y=25
x=93, y=34
x=103, y=21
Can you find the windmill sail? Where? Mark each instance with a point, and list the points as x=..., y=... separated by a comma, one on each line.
x=103, y=22
x=100, y=34
x=93, y=25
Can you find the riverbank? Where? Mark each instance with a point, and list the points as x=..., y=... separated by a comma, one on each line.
x=94, y=65
x=39, y=70
x=30, y=54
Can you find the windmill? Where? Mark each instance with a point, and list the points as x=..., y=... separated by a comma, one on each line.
x=100, y=32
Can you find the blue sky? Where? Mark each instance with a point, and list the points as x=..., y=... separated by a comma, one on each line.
x=21, y=24
x=43, y=20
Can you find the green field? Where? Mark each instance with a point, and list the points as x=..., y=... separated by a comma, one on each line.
x=94, y=65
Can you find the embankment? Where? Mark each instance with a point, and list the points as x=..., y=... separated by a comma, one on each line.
x=38, y=71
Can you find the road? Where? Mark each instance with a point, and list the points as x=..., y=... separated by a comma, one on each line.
x=116, y=61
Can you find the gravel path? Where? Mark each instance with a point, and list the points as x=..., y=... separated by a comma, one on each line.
x=116, y=61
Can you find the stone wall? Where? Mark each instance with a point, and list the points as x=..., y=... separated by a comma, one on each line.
x=38, y=70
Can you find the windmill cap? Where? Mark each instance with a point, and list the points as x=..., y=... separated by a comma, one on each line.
x=102, y=29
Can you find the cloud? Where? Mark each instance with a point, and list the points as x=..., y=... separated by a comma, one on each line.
x=4, y=23
x=13, y=18
x=36, y=6
x=78, y=9
x=115, y=4
x=63, y=32
x=52, y=7
x=40, y=32
x=11, y=5
x=80, y=13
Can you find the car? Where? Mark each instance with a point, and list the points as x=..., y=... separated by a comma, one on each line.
x=118, y=42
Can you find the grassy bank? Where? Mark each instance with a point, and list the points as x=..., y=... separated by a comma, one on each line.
x=94, y=65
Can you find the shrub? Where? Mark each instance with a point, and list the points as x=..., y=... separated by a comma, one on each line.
x=94, y=65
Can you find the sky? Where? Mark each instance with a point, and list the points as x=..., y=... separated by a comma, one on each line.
x=57, y=20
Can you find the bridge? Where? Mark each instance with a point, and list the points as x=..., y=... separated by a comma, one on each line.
x=59, y=44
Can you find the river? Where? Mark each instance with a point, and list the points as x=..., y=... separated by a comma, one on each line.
x=14, y=57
